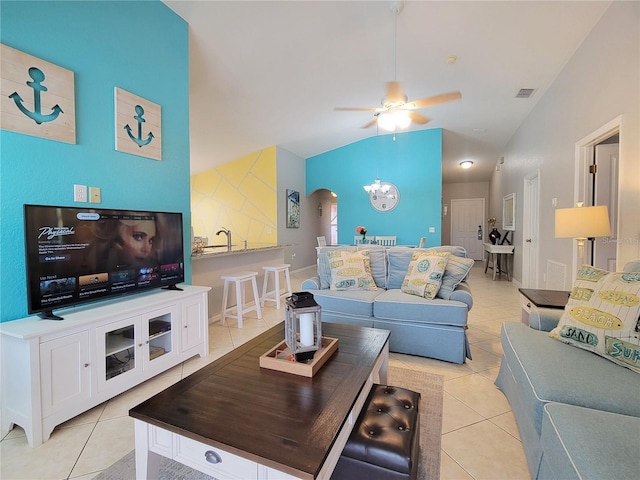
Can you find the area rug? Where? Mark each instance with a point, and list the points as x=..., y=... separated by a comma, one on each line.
x=428, y=384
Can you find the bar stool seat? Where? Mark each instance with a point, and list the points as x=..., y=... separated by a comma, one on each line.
x=239, y=279
x=274, y=295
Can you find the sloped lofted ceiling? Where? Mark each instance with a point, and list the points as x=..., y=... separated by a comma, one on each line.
x=268, y=73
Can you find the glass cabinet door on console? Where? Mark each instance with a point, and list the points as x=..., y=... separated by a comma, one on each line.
x=117, y=350
x=160, y=334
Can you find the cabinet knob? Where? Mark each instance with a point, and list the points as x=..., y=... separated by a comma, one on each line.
x=147, y=342
x=528, y=240
x=212, y=457
x=140, y=345
x=528, y=305
x=85, y=365
x=185, y=326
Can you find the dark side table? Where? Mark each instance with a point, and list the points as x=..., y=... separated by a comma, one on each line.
x=532, y=299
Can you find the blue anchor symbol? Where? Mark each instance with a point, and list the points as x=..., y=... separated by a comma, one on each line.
x=139, y=117
x=37, y=116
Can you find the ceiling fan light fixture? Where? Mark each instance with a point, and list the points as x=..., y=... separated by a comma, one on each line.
x=394, y=119
x=386, y=121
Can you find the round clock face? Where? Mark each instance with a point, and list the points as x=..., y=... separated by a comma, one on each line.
x=385, y=201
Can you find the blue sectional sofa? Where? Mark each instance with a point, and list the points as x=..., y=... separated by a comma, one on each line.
x=578, y=414
x=428, y=328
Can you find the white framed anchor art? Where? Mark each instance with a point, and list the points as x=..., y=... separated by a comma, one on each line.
x=138, y=124
x=37, y=97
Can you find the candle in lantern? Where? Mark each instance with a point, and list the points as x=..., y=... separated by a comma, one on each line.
x=306, y=329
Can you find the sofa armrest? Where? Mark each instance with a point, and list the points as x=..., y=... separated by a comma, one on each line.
x=312, y=283
x=545, y=319
x=462, y=293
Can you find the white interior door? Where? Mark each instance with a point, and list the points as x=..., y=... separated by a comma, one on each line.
x=530, y=227
x=467, y=217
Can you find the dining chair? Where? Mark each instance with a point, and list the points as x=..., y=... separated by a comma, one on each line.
x=386, y=241
x=322, y=241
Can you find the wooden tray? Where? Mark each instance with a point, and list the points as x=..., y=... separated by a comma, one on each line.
x=280, y=363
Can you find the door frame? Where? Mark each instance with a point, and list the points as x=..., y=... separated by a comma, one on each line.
x=584, y=151
x=527, y=274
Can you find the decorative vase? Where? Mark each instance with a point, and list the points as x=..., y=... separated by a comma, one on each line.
x=494, y=236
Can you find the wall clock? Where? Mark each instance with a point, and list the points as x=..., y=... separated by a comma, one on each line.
x=385, y=202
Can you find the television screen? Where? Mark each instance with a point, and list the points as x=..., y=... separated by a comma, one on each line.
x=82, y=254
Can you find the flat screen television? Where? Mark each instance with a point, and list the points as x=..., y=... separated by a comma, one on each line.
x=76, y=255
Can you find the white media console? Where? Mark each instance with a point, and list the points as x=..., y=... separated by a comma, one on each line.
x=53, y=370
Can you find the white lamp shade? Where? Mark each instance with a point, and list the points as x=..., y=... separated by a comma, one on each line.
x=582, y=222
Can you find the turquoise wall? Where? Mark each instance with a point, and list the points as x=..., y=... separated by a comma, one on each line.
x=412, y=162
x=141, y=47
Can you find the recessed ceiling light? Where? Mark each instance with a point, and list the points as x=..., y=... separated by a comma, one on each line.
x=466, y=164
x=451, y=59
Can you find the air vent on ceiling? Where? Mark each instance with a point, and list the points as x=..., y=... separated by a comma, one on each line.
x=525, y=92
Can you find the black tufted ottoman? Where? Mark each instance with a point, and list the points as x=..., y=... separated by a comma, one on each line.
x=385, y=441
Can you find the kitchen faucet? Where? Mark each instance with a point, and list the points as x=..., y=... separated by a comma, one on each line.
x=227, y=232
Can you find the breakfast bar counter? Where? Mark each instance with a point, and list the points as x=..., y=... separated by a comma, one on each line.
x=209, y=266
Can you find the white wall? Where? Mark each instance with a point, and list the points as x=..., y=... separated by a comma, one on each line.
x=291, y=175
x=600, y=82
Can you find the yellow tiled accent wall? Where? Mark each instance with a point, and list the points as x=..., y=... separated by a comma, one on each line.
x=240, y=195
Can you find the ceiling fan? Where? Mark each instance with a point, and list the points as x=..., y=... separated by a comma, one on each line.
x=396, y=111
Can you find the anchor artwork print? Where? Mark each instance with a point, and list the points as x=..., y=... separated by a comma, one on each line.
x=138, y=125
x=37, y=97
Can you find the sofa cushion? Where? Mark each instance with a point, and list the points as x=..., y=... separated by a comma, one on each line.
x=585, y=443
x=399, y=258
x=424, y=274
x=549, y=371
x=602, y=316
x=352, y=302
x=351, y=271
x=399, y=306
x=378, y=263
x=455, y=272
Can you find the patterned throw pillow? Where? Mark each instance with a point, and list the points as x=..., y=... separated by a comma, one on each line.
x=424, y=274
x=351, y=271
x=602, y=316
x=325, y=256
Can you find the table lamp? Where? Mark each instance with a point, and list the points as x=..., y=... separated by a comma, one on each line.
x=582, y=223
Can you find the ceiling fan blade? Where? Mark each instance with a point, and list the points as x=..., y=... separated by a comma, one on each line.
x=394, y=93
x=435, y=100
x=371, y=123
x=356, y=109
x=418, y=118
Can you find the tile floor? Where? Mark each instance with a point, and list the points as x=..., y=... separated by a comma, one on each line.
x=479, y=436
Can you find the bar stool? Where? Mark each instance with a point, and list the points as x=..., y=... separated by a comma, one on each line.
x=276, y=270
x=239, y=279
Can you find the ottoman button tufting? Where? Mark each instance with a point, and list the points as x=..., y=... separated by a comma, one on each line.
x=384, y=443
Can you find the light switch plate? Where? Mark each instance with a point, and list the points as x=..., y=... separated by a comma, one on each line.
x=95, y=195
x=432, y=229
x=79, y=193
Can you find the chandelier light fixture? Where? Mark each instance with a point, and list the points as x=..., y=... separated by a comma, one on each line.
x=376, y=186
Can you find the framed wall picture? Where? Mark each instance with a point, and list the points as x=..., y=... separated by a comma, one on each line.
x=293, y=209
x=36, y=97
x=138, y=125
x=509, y=212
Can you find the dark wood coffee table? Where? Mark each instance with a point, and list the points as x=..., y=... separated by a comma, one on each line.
x=233, y=419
